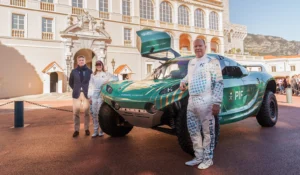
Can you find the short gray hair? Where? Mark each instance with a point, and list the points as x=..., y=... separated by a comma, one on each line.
x=200, y=40
x=80, y=56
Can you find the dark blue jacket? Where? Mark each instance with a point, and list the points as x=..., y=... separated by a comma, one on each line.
x=76, y=84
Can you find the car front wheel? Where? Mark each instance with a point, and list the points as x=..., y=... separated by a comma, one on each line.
x=268, y=114
x=109, y=119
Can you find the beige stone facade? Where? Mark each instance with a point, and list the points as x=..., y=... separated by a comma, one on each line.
x=40, y=39
x=234, y=34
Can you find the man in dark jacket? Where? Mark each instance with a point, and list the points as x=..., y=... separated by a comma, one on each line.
x=79, y=82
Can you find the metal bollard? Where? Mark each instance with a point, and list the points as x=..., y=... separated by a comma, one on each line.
x=19, y=114
x=289, y=95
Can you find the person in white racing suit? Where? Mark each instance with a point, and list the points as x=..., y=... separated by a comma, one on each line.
x=205, y=82
x=98, y=79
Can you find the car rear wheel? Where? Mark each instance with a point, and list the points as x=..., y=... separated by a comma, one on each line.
x=268, y=114
x=182, y=132
x=109, y=119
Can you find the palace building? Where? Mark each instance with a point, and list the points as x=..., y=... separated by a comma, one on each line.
x=40, y=39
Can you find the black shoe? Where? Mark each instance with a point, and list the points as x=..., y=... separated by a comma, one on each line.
x=87, y=132
x=76, y=133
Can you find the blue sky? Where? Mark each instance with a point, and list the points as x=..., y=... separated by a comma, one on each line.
x=268, y=17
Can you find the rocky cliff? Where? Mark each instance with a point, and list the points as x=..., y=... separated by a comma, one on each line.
x=270, y=45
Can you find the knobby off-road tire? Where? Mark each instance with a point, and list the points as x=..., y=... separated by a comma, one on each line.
x=268, y=114
x=182, y=133
x=108, y=118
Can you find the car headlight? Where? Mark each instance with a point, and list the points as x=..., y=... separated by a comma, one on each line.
x=109, y=89
x=151, y=108
x=169, y=89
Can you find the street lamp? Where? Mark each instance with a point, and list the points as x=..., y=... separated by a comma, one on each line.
x=113, y=63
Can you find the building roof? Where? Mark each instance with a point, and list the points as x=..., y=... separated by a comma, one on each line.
x=120, y=68
x=268, y=57
x=51, y=65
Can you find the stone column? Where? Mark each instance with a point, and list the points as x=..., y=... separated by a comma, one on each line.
x=176, y=44
x=175, y=16
x=221, y=46
x=69, y=69
x=208, y=46
x=101, y=52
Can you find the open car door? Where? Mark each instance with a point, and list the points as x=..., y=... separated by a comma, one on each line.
x=155, y=45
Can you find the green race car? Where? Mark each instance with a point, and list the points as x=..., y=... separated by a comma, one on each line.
x=157, y=100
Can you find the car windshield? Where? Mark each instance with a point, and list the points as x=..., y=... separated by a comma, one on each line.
x=171, y=70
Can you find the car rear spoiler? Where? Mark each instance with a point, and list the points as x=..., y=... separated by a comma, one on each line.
x=152, y=44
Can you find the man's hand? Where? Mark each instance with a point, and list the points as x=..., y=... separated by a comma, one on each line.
x=215, y=109
x=182, y=86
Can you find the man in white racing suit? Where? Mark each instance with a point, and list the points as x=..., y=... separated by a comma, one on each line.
x=205, y=83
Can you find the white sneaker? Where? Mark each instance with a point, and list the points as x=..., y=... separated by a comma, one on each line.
x=101, y=133
x=95, y=134
x=205, y=164
x=193, y=162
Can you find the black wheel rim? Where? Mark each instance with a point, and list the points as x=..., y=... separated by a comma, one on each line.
x=273, y=110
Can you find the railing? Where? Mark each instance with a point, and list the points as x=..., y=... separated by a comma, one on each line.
x=244, y=57
x=166, y=25
x=200, y=30
x=47, y=36
x=20, y=3
x=127, y=43
x=77, y=11
x=214, y=32
x=104, y=15
x=47, y=6
x=17, y=33
x=184, y=27
x=127, y=18
x=148, y=22
x=185, y=53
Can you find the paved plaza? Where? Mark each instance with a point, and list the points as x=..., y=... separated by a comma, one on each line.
x=46, y=145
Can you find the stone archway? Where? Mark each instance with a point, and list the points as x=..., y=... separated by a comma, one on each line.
x=82, y=33
x=90, y=56
x=185, y=44
x=215, y=45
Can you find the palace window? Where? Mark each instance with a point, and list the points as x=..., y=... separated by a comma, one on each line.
x=149, y=67
x=48, y=1
x=183, y=15
x=47, y=25
x=103, y=5
x=18, y=25
x=213, y=21
x=77, y=3
x=146, y=9
x=47, y=28
x=126, y=7
x=166, y=12
x=293, y=68
x=199, y=18
x=127, y=37
x=273, y=68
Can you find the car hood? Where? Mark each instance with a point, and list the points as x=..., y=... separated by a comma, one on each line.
x=144, y=89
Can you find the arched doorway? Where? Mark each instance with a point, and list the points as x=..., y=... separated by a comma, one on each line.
x=53, y=82
x=202, y=37
x=185, y=44
x=214, y=45
x=89, y=55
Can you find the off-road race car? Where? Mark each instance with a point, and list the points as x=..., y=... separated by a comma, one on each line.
x=157, y=100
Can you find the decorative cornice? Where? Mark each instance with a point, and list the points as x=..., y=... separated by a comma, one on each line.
x=210, y=4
